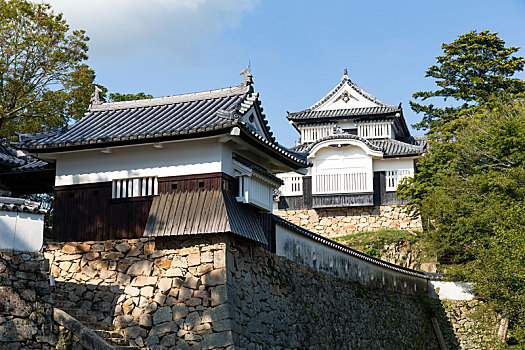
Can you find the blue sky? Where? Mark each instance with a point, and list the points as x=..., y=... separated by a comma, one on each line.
x=297, y=49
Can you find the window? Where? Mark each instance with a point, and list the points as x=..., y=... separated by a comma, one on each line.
x=394, y=177
x=374, y=130
x=135, y=187
x=293, y=185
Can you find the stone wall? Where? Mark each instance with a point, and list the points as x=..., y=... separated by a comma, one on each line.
x=279, y=304
x=26, y=312
x=162, y=293
x=221, y=292
x=342, y=221
x=467, y=325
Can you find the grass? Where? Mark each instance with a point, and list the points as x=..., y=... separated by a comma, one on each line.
x=373, y=242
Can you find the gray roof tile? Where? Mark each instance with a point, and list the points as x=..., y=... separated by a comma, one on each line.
x=389, y=147
x=167, y=117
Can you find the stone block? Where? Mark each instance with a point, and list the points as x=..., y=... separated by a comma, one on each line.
x=123, y=247
x=214, y=278
x=145, y=320
x=217, y=340
x=142, y=281
x=140, y=268
x=164, y=328
x=129, y=290
x=163, y=314
x=17, y=330
x=122, y=321
x=219, y=259
x=164, y=285
x=184, y=293
x=191, y=282
x=146, y=292
x=219, y=295
x=174, y=272
x=179, y=311
x=216, y=313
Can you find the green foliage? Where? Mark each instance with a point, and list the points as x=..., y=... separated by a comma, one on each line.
x=43, y=82
x=117, y=97
x=474, y=67
x=476, y=210
x=373, y=242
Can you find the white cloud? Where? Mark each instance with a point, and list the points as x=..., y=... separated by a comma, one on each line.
x=120, y=28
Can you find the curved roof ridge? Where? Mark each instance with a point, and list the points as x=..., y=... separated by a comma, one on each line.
x=346, y=81
x=240, y=89
x=343, y=136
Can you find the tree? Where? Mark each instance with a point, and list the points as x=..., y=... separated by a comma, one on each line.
x=476, y=210
x=43, y=82
x=118, y=97
x=473, y=68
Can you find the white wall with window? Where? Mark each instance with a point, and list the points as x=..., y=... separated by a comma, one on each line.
x=395, y=170
x=254, y=188
x=345, y=169
x=293, y=184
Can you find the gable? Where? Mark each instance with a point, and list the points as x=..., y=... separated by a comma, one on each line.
x=346, y=98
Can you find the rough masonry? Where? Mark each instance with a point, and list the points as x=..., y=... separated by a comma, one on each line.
x=342, y=221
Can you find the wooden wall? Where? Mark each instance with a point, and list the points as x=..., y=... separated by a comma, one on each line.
x=88, y=213
x=309, y=201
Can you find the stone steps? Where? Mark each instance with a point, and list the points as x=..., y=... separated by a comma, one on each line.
x=114, y=338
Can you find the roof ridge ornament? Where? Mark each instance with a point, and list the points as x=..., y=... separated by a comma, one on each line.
x=95, y=97
x=345, y=75
x=248, y=77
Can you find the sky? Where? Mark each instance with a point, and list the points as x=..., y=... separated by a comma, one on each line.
x=297, y=49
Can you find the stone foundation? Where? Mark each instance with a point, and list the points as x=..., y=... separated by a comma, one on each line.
x=278, y=304
x=467, y=325
x=221, y=292
x=343, y=221
x=162, y=293
x=26, y=311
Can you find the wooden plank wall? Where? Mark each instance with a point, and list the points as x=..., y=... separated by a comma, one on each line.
x=88, y=213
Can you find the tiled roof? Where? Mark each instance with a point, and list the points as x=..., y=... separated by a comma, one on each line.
x=389, y=147
x=307, y=147
x=311, y=113
x=352, y=112
x=201, y=212
x=146, y=119
x=398, y=148
x=257, y=168
x=345, y=81
x=166, y=118
x=299, y=230
x=20, y=205
x=10, y=162
x=8, y=157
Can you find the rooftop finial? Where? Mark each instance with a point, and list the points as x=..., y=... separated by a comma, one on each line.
x=247, y=75
x=95, y=98
x=345, y=74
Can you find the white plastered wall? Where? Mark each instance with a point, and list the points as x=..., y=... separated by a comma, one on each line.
x=319, y=256
x=393, y=164
x=21, y=231
x=173, y=159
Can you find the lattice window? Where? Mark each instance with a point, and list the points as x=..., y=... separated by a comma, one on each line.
x=374, y=130
x=341, y=182
x=135, y=187
x=314, y=133
x=293, y=185
x=394, y=177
